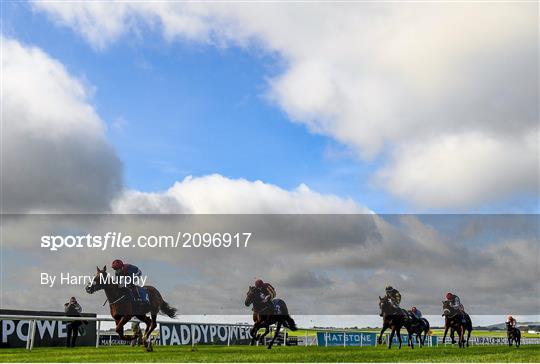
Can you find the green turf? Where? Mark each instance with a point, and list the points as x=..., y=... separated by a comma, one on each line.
x=526, y=353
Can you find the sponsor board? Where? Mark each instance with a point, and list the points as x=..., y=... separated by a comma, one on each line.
x=336, y=338
x=114, y=339
x=188, y=334
x=483, y=340
x=14, y=333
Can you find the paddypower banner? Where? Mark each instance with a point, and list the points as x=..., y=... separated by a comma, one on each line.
x=188, y=334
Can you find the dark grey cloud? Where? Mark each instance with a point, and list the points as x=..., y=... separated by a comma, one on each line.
x=318, y=276
x=55, y=156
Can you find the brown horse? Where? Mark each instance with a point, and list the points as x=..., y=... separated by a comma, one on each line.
x=264, y=316
x=123, y=308
x=394, y=318
x=457, y=321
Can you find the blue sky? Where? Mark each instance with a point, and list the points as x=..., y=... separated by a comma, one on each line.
x=182, y=108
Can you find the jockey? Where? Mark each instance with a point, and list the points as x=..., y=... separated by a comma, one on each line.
x=455, y=302
x=122, y=269
x=266, y=291
x=416, y=313
x=512, y=322
x=393, y=295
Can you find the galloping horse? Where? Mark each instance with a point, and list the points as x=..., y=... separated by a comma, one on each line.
x=421, y=328
x=264, y=316
x=514, y=334
x=457, y=321
x=124, y=309
x=393, y=318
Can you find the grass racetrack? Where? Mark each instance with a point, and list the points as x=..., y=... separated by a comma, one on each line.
x=496, y=353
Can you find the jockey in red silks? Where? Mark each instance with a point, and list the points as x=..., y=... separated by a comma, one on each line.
x=266, y=291
x=455, y=302
x=512, y=322
x=122, y=269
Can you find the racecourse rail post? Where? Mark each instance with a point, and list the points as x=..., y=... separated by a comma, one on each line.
x=285, y=337
x=344, y=341
x=28, y=337
x=33, y=337
x=229, y=336
x=97, y=333
x=306, y=342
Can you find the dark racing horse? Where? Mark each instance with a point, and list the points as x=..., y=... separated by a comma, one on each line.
x=419, y=327
x=264, y=315
x=457, y=321
x=514, y=335
x=394, y=318
x=123, y=308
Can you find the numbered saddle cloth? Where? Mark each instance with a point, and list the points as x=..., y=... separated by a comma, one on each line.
x=279, y=307
x=137, y=293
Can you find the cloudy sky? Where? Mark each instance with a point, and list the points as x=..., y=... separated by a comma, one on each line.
x=392, y=108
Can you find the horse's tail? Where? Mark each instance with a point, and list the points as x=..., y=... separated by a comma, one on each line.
x=167, y=309
x=289, y=323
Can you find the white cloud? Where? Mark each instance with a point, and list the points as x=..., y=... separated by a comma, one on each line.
x=215, y=194
x=55, y=153
x=462, y=170
x=377, y=76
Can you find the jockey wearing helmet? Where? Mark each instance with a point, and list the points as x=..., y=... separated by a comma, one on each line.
x=416, y=313
x=512, y=322
x=266, y=291
x=455, y=302
x=393, y=295
x=122, y=269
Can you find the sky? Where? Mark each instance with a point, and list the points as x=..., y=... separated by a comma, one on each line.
x=171, y=107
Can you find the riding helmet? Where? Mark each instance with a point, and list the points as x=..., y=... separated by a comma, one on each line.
x=117, y=264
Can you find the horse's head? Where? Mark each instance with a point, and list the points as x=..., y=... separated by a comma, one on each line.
x=446, y=308
x=250, y=295
x=96, y=285
x=384, y=305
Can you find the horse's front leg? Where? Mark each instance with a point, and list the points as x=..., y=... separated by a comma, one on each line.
x=399, y=337
x=253, y=333
x=278, y=327
x=461, y=337
x=410, y=334
x=263, y=335
x=444, y=336
x=120, y=328
x=379, y=340
x=391, y=338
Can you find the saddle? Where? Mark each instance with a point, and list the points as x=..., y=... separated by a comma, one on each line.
x=137, y=295
x=272, y=307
